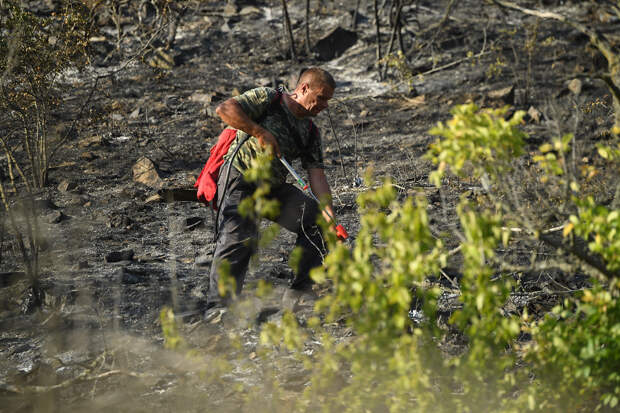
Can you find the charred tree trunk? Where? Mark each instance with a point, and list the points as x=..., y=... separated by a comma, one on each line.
x=289, y=30
x=354, y=21
x=308, y=49
x=376, y=9
x=395, y=28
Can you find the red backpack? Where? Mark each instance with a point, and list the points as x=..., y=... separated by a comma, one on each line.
x=207, y=180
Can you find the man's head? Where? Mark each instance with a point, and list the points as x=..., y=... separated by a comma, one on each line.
x=314, y=88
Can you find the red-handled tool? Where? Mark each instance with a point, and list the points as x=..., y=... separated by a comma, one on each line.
x=340, y=231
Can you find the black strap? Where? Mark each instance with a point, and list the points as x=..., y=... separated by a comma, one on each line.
x=230, y=165
x=276, y=106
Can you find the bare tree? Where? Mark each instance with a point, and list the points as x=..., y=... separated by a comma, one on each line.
x=289, y=30
x=354, y=18
x=377, y=24
x=395, y=29
x=308, y=50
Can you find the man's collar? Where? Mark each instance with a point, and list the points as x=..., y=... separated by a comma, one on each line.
x=295, y=108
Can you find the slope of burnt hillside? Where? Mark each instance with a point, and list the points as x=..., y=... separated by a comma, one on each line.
x=121, y=244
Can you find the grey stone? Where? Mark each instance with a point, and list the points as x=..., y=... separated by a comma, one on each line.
x=129, y=277
x=55, y=217
x=153, y=199
x=120, y=221
x=248, y=10
x=135, y=114
x=67, y=186
x=295, y=300
x=75, y=200
x=192, y=223
x=506, y=94
x=534, y=114
x=117, y=256
x=204, y=260
x=145, y=172
x=91, y=141
x=225, y=28
x=335, y=43
x=230, y=9
x=575, y=86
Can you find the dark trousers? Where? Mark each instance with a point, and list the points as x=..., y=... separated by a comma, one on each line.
x=238, y=236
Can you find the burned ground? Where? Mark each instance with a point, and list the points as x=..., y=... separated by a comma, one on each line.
x=117, y=251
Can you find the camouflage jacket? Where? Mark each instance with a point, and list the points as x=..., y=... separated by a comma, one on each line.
x=257, y=104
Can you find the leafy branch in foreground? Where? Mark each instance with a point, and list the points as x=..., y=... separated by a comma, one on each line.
x=392, y=364
x=575, y=346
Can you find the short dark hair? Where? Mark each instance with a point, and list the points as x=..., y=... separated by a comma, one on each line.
x=315, y=76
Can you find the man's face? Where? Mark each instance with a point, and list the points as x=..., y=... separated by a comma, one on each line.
x=315, y=99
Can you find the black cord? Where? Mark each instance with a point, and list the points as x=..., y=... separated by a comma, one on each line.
x=230, y=162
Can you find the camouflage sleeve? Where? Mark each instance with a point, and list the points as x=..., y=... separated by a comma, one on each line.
x=313, y=157
x=255, y=102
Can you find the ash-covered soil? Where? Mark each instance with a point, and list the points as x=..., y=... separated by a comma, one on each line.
x=118, y=251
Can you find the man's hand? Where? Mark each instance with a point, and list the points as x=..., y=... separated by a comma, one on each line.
x=320, y=188
x=267, y=140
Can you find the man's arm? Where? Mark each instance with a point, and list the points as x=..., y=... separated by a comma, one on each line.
x=231, y=112
x=320, y=188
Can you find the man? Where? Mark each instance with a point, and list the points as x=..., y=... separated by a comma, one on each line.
x=279, y=123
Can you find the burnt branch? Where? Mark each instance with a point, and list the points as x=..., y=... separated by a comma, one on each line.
x=579, y=250
x=446, y=16
x=395, y=28
x=308, y=49
x=377, y=28
x=289, y=31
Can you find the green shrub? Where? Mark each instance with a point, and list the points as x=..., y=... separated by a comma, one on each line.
x=391, y=364
x=575, y=353
x=371, y=293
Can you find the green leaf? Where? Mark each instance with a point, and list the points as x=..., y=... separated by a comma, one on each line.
x=545, y=147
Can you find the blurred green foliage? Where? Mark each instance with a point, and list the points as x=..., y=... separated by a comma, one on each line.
x=391, y=364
